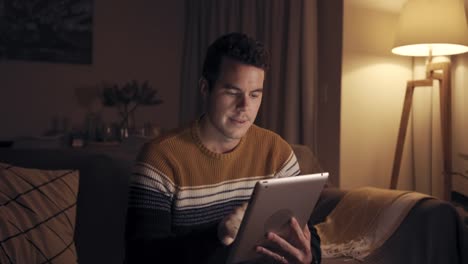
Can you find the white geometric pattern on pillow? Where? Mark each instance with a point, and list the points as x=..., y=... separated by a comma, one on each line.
x=37, y=215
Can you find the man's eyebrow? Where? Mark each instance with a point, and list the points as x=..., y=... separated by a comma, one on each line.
x=231, y=86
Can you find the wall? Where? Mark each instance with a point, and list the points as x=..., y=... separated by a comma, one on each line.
x=373, y=87
x=139, y=40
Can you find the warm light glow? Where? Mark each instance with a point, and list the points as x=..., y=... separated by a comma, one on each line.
x=439, y=26
x=438, y=49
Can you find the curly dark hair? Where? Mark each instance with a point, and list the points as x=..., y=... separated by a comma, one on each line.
x=236, y=46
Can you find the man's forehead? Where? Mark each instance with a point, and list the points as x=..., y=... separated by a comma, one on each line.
x=230, y=63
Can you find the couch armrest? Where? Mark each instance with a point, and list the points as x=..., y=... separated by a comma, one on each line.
x=431, y=233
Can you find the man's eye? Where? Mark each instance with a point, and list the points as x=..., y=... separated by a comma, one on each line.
x=255, y=94
x=232, y=92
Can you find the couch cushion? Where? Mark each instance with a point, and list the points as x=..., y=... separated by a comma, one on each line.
x=37, y=215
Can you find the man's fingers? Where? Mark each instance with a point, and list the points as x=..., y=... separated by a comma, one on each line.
x=239, y=214
x=296, y=248
x=229, y=226
x=283, y=244
x=240, y=211
x=227, y=233
x=244, y=206
x=227, y=240
x=307, y=232
x=300, y=234
x=272, y=255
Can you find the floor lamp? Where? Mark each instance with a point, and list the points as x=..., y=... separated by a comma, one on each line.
x=431, y=28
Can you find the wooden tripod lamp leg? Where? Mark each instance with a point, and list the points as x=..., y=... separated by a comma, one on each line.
x=402, y=134
x=410, y=85
x=446, y=122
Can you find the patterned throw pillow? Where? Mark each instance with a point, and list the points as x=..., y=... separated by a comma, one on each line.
x=37, y=215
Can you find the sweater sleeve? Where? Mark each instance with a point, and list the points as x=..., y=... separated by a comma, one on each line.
x=150, y=237
x=290, y=167
x=315, y=244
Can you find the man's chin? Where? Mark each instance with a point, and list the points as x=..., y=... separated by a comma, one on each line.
x=237, y=135
x=234, y=137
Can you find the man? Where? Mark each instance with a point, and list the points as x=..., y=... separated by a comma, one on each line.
x=190, y=187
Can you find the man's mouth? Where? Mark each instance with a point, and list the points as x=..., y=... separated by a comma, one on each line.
x=238, y=121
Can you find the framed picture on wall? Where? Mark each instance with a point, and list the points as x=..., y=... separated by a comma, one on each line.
x=47, y=30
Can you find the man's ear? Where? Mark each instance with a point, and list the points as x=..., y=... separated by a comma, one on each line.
x=204, y=87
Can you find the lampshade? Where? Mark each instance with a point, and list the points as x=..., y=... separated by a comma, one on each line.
x=439, y=26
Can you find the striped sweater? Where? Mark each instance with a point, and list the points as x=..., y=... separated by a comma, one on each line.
x=180, y=190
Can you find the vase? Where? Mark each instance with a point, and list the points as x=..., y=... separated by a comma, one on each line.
x=127, y=125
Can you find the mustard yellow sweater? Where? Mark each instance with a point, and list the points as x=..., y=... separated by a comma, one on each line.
x=180, y=190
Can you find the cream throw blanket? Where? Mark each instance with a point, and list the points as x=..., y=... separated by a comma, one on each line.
x=363, y=220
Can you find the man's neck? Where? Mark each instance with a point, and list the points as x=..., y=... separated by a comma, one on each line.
x=213, y=140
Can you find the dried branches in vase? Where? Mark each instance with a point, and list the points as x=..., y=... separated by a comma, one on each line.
x=127, y=98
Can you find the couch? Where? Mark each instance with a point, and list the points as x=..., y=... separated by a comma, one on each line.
x=102, y=196
x=431, y=232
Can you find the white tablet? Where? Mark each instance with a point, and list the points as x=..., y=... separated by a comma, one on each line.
x=273, y=203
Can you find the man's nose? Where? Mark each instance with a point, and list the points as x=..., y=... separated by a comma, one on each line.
x=243, y=102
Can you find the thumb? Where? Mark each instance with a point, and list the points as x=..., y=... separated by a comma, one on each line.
x=227, y=240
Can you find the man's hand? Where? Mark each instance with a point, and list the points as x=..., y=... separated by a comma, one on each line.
x=228, y=227
x=295, y=249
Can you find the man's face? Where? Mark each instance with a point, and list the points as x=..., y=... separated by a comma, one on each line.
x=234, y=100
